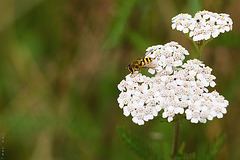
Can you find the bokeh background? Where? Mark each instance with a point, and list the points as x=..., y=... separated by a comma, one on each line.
x=61, y=61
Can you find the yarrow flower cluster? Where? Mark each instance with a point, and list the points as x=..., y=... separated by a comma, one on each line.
x=168, y=57
x=176, y=88
x=138, y=98
x=203, y=25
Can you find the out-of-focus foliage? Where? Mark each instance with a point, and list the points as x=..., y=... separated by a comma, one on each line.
x=136, y=144
x=61, y=62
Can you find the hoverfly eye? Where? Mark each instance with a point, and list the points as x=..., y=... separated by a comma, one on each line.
x=130, y=68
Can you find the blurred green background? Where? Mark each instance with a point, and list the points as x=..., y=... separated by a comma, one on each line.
x=61, y=61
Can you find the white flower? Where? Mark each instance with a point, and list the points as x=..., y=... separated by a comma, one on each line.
x=129, y=109
x=166, y=57
x=182, y=22
x=138, y=119
x=193, y=115
x=123, y=99
x=177, y=89
x=169, y=113
x=138, y=98
x=152, y=71
x=203, y=25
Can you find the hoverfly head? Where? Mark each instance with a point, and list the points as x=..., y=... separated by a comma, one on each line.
x=129, y=67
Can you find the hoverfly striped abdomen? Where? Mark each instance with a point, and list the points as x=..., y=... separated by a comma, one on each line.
x=145, y=61
x=138, y=64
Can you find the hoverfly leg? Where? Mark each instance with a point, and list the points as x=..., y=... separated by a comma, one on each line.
x=139, y=72
x=132, y=74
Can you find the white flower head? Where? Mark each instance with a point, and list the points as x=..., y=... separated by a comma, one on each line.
x=177, y=89
x=166, y=57
x=203, y=25
x=138, y=98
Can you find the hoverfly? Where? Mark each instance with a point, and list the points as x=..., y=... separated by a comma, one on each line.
x=139, y=63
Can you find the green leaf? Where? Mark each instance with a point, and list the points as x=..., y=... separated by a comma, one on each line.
x=191, y=156
x=215, y=148
x=210, y=152
x=136, y=144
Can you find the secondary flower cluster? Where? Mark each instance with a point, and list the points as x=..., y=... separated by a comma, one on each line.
x=168, y=57
x=138, y=98
x=203, y=25
x=183, y=90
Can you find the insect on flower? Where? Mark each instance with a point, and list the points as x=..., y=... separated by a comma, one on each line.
x=139, y=63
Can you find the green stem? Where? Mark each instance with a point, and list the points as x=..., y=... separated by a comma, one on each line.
x=199, y=47
x=200, y=50
x=194, y=44
x=176, y=138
